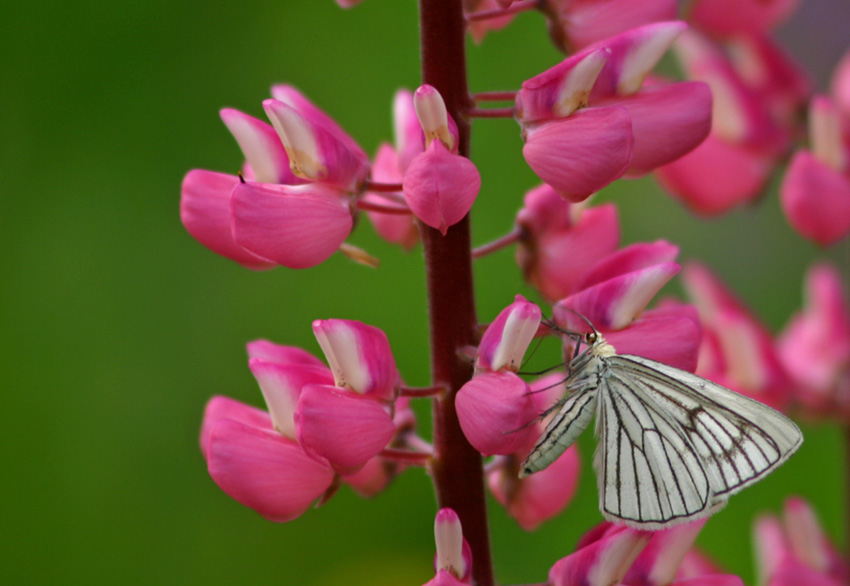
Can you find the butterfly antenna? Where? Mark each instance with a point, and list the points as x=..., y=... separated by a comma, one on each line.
x=581, y=316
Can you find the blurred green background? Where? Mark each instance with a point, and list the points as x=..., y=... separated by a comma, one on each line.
x=117, y=326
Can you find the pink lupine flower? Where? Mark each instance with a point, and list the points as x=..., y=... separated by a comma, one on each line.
x=815, y=192
x=576, y=24
x=610, y=74
x=507, y=338
x=562, y=240
x=737, y=350
x=478, y=29
x=453, y=560
x=536, y=498
x=407, y=131
x=292, y=206
x=350, y=422
x=440, y=186
x=725, y=18
x=815, y=346
x=495, y=407
x=795, y=550
x=613, y=295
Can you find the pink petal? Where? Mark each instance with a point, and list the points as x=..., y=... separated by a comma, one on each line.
x=359, y=356
x=444, y=577
x=371, y=479
x=669, y=337
x=540, y=496
x=725, y=18
x=634, y=53
x=840, y=86
x=658, y=563
x=631, y=258
x=601, y=563
x=314, y=152
x=816, y=199
x=220, y=408
x=506, y=339
x=205, y=212
x=341, y=426
x=297, y=226
x=281, y=354
x=583, y=153
x=265, y=471
x=556, y=261
x=560, y=90
x=543, y=210
x=440, y=187
x=281, y=385
x=716, y=176
x=494, y=410
x=453, y=552
x=712, y=580
x=261, y=146
x=615, y=303
x=478, y=29
x=584, y=22
x=296, y=100
x=806, y=536
x=409, y=140
x=668, y=121
x=394, y=228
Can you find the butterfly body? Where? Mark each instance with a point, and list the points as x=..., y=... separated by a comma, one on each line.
x=672, y=446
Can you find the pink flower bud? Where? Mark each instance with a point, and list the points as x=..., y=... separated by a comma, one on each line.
x=453, y=552
x=494, y=410
x=441, y=187
x=359, y=356
x=316, y=152
x=575, y=24
x=205, y=212
x=261, y=146
x=433, y=117
x=296, y=226
x=816, y=199
x=220, y=408
x=342, y=427
x=506, y=339
x=583, y=153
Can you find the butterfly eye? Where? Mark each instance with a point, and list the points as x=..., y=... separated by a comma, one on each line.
x=590, y=337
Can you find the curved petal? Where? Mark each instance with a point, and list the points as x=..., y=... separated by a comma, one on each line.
x=219, y=408
x=205, y=212
x=394, y=228
x=441, y=187
x=494, y=410
x=281, y=354
x=583, y=153
x=602, y=562
x=265, y=471
x=725, y=18
x=631, y=258
x=668, y=121
x=298, y=227
x=664, y=336
x=716, y=176
x=261, y=146
x=816, y=199
x=341, y=426
x=507, y=337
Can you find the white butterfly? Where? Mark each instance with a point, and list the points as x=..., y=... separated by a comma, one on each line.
x=673, y=446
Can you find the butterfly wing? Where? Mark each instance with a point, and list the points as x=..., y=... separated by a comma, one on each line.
x=738, y=440
x=649, y=473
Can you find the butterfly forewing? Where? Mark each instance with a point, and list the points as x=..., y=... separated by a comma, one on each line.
x=738, y=439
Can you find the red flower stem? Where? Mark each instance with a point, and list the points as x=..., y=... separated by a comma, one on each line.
x=403, y=456
x=491, y=113
x=511, y=237
x=497, y=12
x=494, y=97
x=371, y=206
x=420, y=392
x=376, y=187
x=456, y=469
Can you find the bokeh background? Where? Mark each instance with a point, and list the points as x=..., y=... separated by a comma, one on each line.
x=117, y=326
